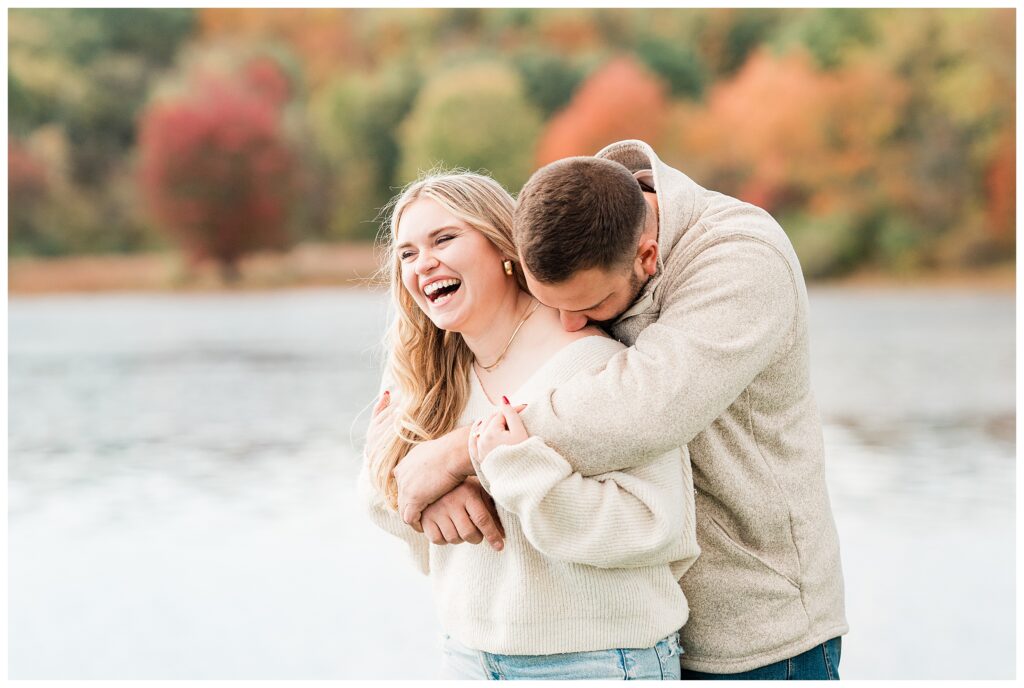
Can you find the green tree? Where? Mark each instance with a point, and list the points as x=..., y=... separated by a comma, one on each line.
x=548, y=78
x=680, y=67
x=356, y=124
x=750, y=29
x=77, y=79
x=89, y=71
x=476, y=117
x=829, y=34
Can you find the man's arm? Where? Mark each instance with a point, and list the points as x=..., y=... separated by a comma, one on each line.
x=429, y=471
x=465, y=514
x=726, y=317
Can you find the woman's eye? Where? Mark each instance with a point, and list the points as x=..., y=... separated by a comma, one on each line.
x=405, y=255
x=446, y=237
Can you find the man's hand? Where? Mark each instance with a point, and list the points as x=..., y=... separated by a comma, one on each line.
x=466, y=514
x=429, y=471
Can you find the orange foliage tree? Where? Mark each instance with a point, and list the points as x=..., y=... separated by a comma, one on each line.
x=783, y=130
x=324, y=38
x=798, y=141
x=621, y=100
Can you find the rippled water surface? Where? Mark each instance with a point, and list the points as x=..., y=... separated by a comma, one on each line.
x=181, y=500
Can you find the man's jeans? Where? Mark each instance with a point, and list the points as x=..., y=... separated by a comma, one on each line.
x=820, y=663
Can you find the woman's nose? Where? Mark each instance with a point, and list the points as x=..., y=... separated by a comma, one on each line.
x=425, y=263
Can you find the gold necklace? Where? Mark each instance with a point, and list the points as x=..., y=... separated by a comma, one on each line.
x=522, y=322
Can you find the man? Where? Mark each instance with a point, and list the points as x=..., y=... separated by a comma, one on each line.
x=707, y=292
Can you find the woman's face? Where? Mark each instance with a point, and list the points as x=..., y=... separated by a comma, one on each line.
x=452, y=271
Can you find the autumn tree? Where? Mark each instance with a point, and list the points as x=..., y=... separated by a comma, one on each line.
x=216, y=168
x=26, y=188
x=622, y=100
x=475, y=117
x=806, y=145
x=323, y=38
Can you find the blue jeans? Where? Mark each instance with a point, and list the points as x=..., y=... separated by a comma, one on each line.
x=820, y=663
x=657, y=663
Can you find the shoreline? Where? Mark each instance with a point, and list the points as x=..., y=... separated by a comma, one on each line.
x=352, y=265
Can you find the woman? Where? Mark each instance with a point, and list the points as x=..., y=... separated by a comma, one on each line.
x=586, y=586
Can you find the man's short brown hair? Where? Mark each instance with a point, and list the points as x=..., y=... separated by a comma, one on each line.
x=575, y=214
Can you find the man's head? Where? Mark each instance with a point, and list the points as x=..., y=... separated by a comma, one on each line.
x=587, y=238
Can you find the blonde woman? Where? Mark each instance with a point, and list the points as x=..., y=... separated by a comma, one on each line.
x=586, y=585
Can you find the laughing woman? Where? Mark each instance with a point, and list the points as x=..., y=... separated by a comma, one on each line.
x=586, y=586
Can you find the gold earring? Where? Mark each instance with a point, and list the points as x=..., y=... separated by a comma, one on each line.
x=508, y=267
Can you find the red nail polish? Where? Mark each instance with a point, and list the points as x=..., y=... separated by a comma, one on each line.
x=505, y=399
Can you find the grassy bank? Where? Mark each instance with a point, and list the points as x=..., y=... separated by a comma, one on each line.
x=303, y=266
x=349, y=265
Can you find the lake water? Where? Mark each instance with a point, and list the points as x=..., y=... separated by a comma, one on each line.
x=181, y=487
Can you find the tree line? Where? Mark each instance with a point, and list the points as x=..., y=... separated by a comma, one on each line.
x=879, y=137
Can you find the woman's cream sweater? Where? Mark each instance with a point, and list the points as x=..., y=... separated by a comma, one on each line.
x=589, y=563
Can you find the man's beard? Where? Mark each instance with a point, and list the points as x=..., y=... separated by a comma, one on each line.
x=636, y=285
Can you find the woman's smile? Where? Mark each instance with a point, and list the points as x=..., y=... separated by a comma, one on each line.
x=452, y=271
x=441, y=290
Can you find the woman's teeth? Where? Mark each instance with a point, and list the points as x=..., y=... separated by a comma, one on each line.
x=436, y=291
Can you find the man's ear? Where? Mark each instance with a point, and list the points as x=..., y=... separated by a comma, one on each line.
x=647, y=255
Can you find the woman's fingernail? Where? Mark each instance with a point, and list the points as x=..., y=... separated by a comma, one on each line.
x=505, y=399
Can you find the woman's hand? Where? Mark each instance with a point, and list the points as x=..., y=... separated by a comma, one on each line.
x=503, y=427
x=380, y=419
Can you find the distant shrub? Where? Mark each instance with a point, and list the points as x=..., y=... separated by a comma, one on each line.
x=476, y=117
x=826, y=245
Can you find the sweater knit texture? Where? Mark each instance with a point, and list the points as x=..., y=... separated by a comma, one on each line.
x=718, y=362
x=589, y=563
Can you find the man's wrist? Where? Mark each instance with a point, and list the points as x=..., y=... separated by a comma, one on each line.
x=459, y=464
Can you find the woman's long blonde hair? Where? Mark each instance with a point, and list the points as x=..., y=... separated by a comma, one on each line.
x=430, y=366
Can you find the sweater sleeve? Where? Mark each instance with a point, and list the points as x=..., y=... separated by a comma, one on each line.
x=725, y=317
x=373, y=502
x=388, y=520
x=627, y=519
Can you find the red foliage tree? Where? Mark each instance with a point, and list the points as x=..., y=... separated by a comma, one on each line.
x=216, y=168
x=26, y=176
x=622, y=100
x=1001, y=185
